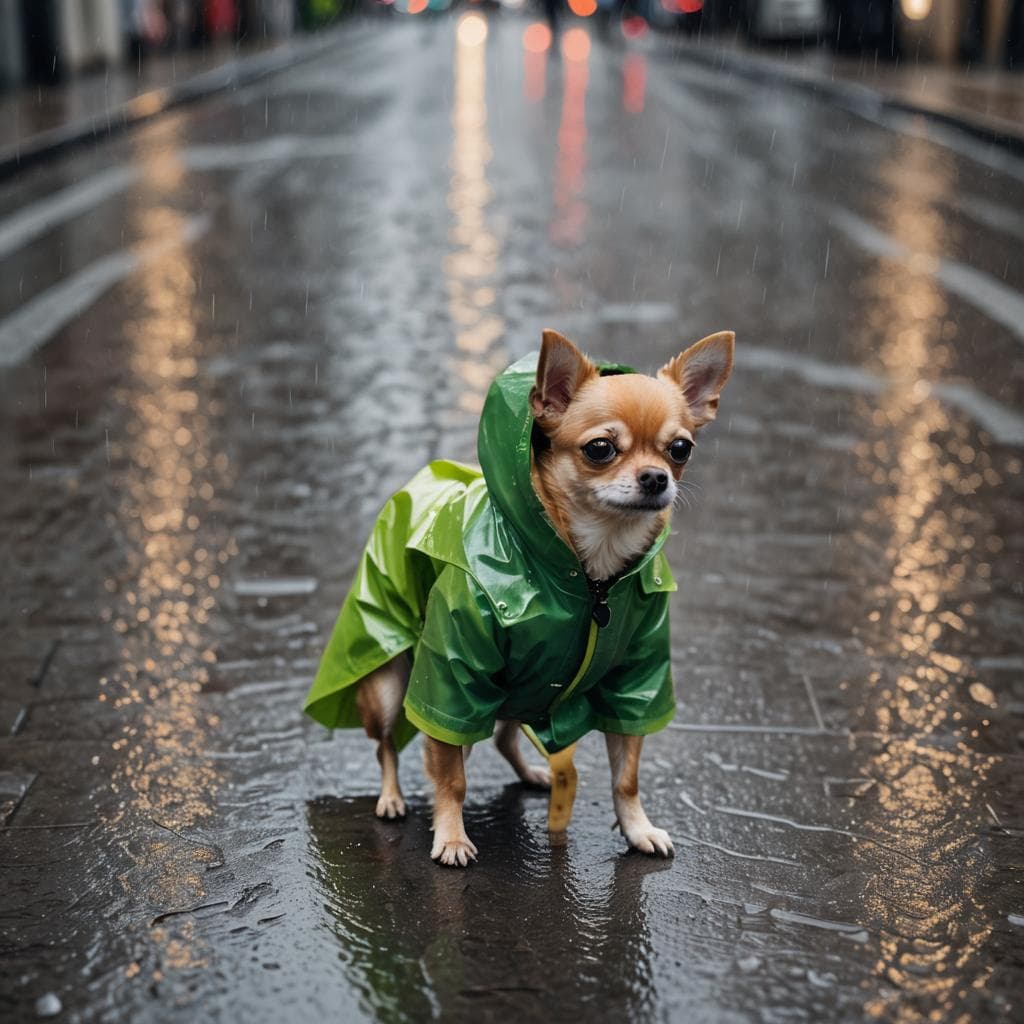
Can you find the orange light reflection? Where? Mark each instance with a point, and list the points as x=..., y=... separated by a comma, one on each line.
x=536, y=43
x=166, y=594
x=929, y=776
x=568, y=225
x=634, y=83
x=472, y=264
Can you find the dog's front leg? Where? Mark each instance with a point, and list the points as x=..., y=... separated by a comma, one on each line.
x=624, y=757
x=446, y=770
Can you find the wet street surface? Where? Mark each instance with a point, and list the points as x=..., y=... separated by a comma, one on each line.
x=227, y=337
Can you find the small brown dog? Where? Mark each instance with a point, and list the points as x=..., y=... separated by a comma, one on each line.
x=558, y=541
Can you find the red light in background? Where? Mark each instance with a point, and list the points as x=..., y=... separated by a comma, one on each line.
x=583, y=8
x=633, y=27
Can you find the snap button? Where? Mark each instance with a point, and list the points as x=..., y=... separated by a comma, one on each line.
x=657, y=580
x=573, y=572
x=502, y=607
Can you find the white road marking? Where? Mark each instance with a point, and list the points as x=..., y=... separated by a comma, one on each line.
x=998, y=301
x=34, y=323
x=1003, y=423
x=284, y=586
x=43, y=215
x=39, y=217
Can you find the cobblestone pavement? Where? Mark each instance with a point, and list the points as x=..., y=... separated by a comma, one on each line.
x=228, y=336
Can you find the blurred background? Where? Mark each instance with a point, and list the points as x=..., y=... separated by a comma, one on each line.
x=229, y=333
x=50, y=40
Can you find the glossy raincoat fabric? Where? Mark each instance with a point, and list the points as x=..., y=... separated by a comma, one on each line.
x=464, y=572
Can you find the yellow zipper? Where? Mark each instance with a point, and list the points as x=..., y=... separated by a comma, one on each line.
x=588, y=657
x=563, y=773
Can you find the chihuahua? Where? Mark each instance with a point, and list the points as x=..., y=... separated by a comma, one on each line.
x=608, y=454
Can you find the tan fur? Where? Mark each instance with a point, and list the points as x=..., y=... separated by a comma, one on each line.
x=445, y=765
x=506, y=739
x=624, y=758
x=642, y=416
x=602, y=512
x=379, y=700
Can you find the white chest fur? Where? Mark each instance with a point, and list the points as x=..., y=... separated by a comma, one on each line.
x=607, y=545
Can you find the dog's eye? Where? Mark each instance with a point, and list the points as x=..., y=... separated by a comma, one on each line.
x=599, y=450
x=679, y=450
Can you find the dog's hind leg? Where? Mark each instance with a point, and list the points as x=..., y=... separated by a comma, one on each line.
x=506, y=739
x=379, y=700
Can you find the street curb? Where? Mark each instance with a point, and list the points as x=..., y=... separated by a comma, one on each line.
x=854, y=97
x=116, y=120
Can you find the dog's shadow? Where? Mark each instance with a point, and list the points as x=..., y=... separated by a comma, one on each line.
x=517, y=932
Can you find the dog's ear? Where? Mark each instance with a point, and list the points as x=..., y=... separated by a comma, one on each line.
x=561, y=370
x=701, y=372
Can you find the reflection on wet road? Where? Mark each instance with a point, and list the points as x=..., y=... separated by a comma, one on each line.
x=229, y=336
x=472, y=264
x=502, y=938
x=568, y=225
x=931, y=929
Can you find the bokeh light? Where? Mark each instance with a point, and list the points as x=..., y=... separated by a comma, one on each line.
x=576, y=45
x=633, y=27
x=537, y=38
x=417, y=6
x=583, y=8
x=472, y=30
x=916, y=10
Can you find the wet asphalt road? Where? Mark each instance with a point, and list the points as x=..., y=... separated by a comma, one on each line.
x=227, y=337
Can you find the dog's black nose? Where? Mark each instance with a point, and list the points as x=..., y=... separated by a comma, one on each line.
x=652, y=481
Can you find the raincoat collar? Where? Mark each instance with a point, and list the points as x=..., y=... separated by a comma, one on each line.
x=504, y=448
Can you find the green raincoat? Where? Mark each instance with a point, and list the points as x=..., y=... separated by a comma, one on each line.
x=464, y=572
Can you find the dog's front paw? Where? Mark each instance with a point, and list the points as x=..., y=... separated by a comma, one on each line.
x=538, y=776
x=390, y=806
x=454, y=851
x=650, y=840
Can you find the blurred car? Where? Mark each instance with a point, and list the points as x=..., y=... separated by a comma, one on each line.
x=782, y=19
x=419, y=6
x=684, y=15
x=865, y=26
